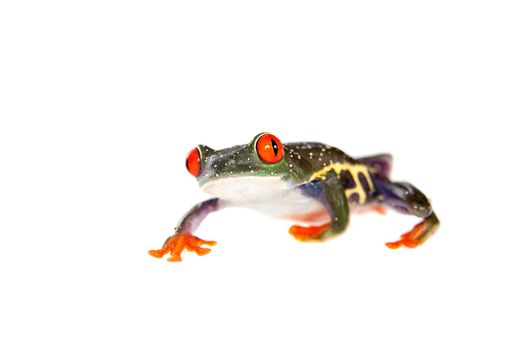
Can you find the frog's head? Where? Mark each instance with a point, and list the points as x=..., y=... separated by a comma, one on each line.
x=242, y=173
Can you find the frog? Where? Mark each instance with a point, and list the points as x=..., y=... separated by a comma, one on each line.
x=314, y=185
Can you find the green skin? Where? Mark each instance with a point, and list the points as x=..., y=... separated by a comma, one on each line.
x=246, y=162
x=236, y=176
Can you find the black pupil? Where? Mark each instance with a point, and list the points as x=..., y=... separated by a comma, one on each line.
x=275, y=147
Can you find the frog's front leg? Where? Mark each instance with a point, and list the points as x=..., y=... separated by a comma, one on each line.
x=183, y=237
x=330, y=193
x=407, y=199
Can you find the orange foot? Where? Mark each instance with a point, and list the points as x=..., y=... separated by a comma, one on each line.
x=412, y=238
x=304, y=234
x=180, y=241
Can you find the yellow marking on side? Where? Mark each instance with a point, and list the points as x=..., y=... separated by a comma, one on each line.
x=355, y=170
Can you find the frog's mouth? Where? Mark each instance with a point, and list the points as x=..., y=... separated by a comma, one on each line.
x=246, y=188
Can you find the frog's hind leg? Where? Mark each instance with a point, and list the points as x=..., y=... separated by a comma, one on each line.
x=407, y=199
x=381, y=163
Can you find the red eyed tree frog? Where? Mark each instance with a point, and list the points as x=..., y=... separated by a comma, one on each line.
x=313, y=184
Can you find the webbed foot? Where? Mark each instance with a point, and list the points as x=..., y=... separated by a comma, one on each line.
x=310, y=233
x=176, y=244
x=418, y=235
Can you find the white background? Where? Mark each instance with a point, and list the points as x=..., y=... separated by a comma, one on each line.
x=100, y=101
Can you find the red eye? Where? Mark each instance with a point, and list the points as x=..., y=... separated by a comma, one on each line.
x=193, y=162
x=269, y=149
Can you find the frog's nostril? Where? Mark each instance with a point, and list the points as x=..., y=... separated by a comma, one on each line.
x=193, y=162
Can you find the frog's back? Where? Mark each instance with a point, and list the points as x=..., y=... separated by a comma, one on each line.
x=320, y=159
x=318, y=154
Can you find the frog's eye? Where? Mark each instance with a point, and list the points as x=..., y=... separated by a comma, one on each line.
x=193, y=162
x=269, y=149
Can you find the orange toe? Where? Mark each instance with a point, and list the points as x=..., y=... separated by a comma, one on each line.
x=174, y=257
x=393, y=245
x=307, y=233
x=157, y=253
x=409, y=239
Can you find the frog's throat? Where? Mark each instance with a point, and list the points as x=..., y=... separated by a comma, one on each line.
x=242, y=189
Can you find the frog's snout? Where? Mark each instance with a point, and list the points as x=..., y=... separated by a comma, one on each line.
x=197, y=160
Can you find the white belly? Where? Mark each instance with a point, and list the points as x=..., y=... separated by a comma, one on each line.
x=268, y=195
